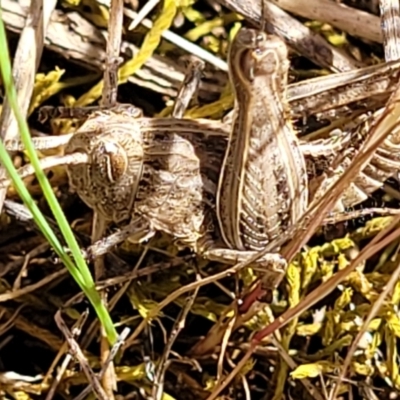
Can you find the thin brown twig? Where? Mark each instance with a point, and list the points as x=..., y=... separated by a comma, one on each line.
x=189, y=87
x=78, y=354
x=99, y=226
x=39, y=249
x=76, y=331
x=111, y=356
x=7, y=296
x=110, y=76
x=187, y=288
x=91, y=331
x=158, y=384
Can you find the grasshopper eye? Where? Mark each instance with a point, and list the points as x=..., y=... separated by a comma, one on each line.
x=111, y=161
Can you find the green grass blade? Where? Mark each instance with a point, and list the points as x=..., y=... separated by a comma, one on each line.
x=80, y=271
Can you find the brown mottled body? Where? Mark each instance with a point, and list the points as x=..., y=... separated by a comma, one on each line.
x=178, y=188
x=163, y=174
x=263, y=185
x=165, y=178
